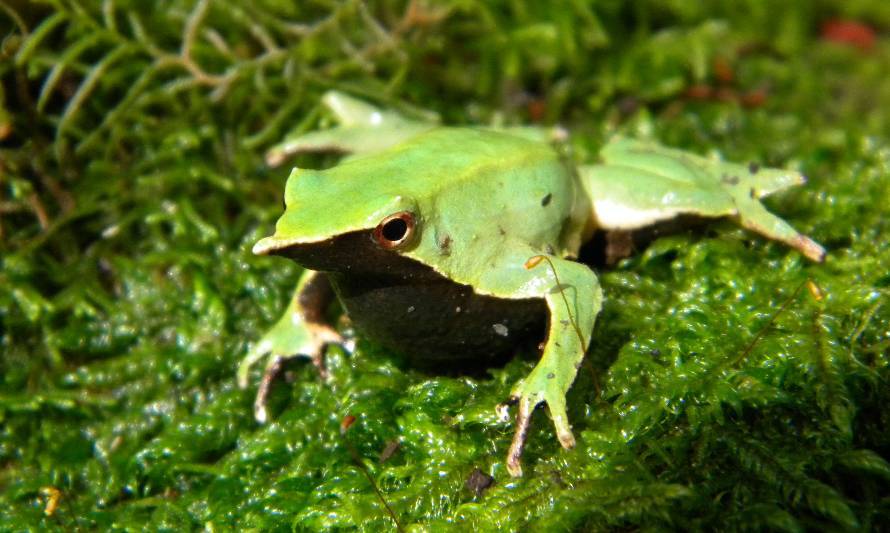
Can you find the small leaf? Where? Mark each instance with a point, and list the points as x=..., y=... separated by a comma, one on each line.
x=866, y=461
x=826, y=501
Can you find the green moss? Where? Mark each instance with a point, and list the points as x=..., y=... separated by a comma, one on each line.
x=132, y=187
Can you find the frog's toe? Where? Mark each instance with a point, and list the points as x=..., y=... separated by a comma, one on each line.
x=523, y=423
x=321, y=336
x=557, y=407
x=348, y=344
x=259, y=351
x=809, y=248
x=260, y=410
x=527, y=396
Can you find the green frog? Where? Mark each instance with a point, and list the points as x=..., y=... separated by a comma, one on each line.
x=452, y=245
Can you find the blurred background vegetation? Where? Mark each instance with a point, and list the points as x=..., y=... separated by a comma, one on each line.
x=731, y=385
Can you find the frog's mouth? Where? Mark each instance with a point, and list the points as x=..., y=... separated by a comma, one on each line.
x=356, y=254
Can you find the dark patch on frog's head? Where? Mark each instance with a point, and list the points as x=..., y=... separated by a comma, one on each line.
x=353, y=253
x=437, y=324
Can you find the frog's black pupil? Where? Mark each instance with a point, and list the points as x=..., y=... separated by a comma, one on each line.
x=395, y=230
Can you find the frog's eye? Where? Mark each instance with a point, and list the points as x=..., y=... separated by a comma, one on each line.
x=395, y=231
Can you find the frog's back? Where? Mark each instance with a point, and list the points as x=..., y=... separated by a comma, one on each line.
x=486, y=191
x=441, y=158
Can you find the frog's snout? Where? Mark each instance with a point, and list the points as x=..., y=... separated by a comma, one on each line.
x=322, y=255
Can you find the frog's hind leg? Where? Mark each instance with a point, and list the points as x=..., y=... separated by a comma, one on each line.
x=640, y=183
x=300, y=332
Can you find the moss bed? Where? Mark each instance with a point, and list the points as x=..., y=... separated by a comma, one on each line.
x=731, y=384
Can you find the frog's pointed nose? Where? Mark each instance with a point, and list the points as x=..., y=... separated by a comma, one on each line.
x=266, y=246
x=279, y=245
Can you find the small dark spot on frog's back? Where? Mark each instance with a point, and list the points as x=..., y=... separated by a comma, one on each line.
x=753, y=168
x=730, y=179
x=545, y=201
x=444, y=243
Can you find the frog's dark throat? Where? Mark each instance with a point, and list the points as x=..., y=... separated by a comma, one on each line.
x=411, y=309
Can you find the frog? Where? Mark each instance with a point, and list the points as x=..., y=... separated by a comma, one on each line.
x=454, y=244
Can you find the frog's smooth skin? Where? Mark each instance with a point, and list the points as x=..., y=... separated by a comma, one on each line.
x=454, y=243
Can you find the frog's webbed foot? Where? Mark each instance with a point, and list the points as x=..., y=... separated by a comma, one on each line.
x=363, y=128
x=538, y=389
x=298, y=333
x=286, y=340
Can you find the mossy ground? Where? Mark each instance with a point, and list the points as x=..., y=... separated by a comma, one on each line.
x=721, y=391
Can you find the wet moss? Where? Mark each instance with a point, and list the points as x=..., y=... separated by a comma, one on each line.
x=722, y=390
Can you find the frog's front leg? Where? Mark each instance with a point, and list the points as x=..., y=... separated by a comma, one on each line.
x=300, y=332
x=573, y=298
